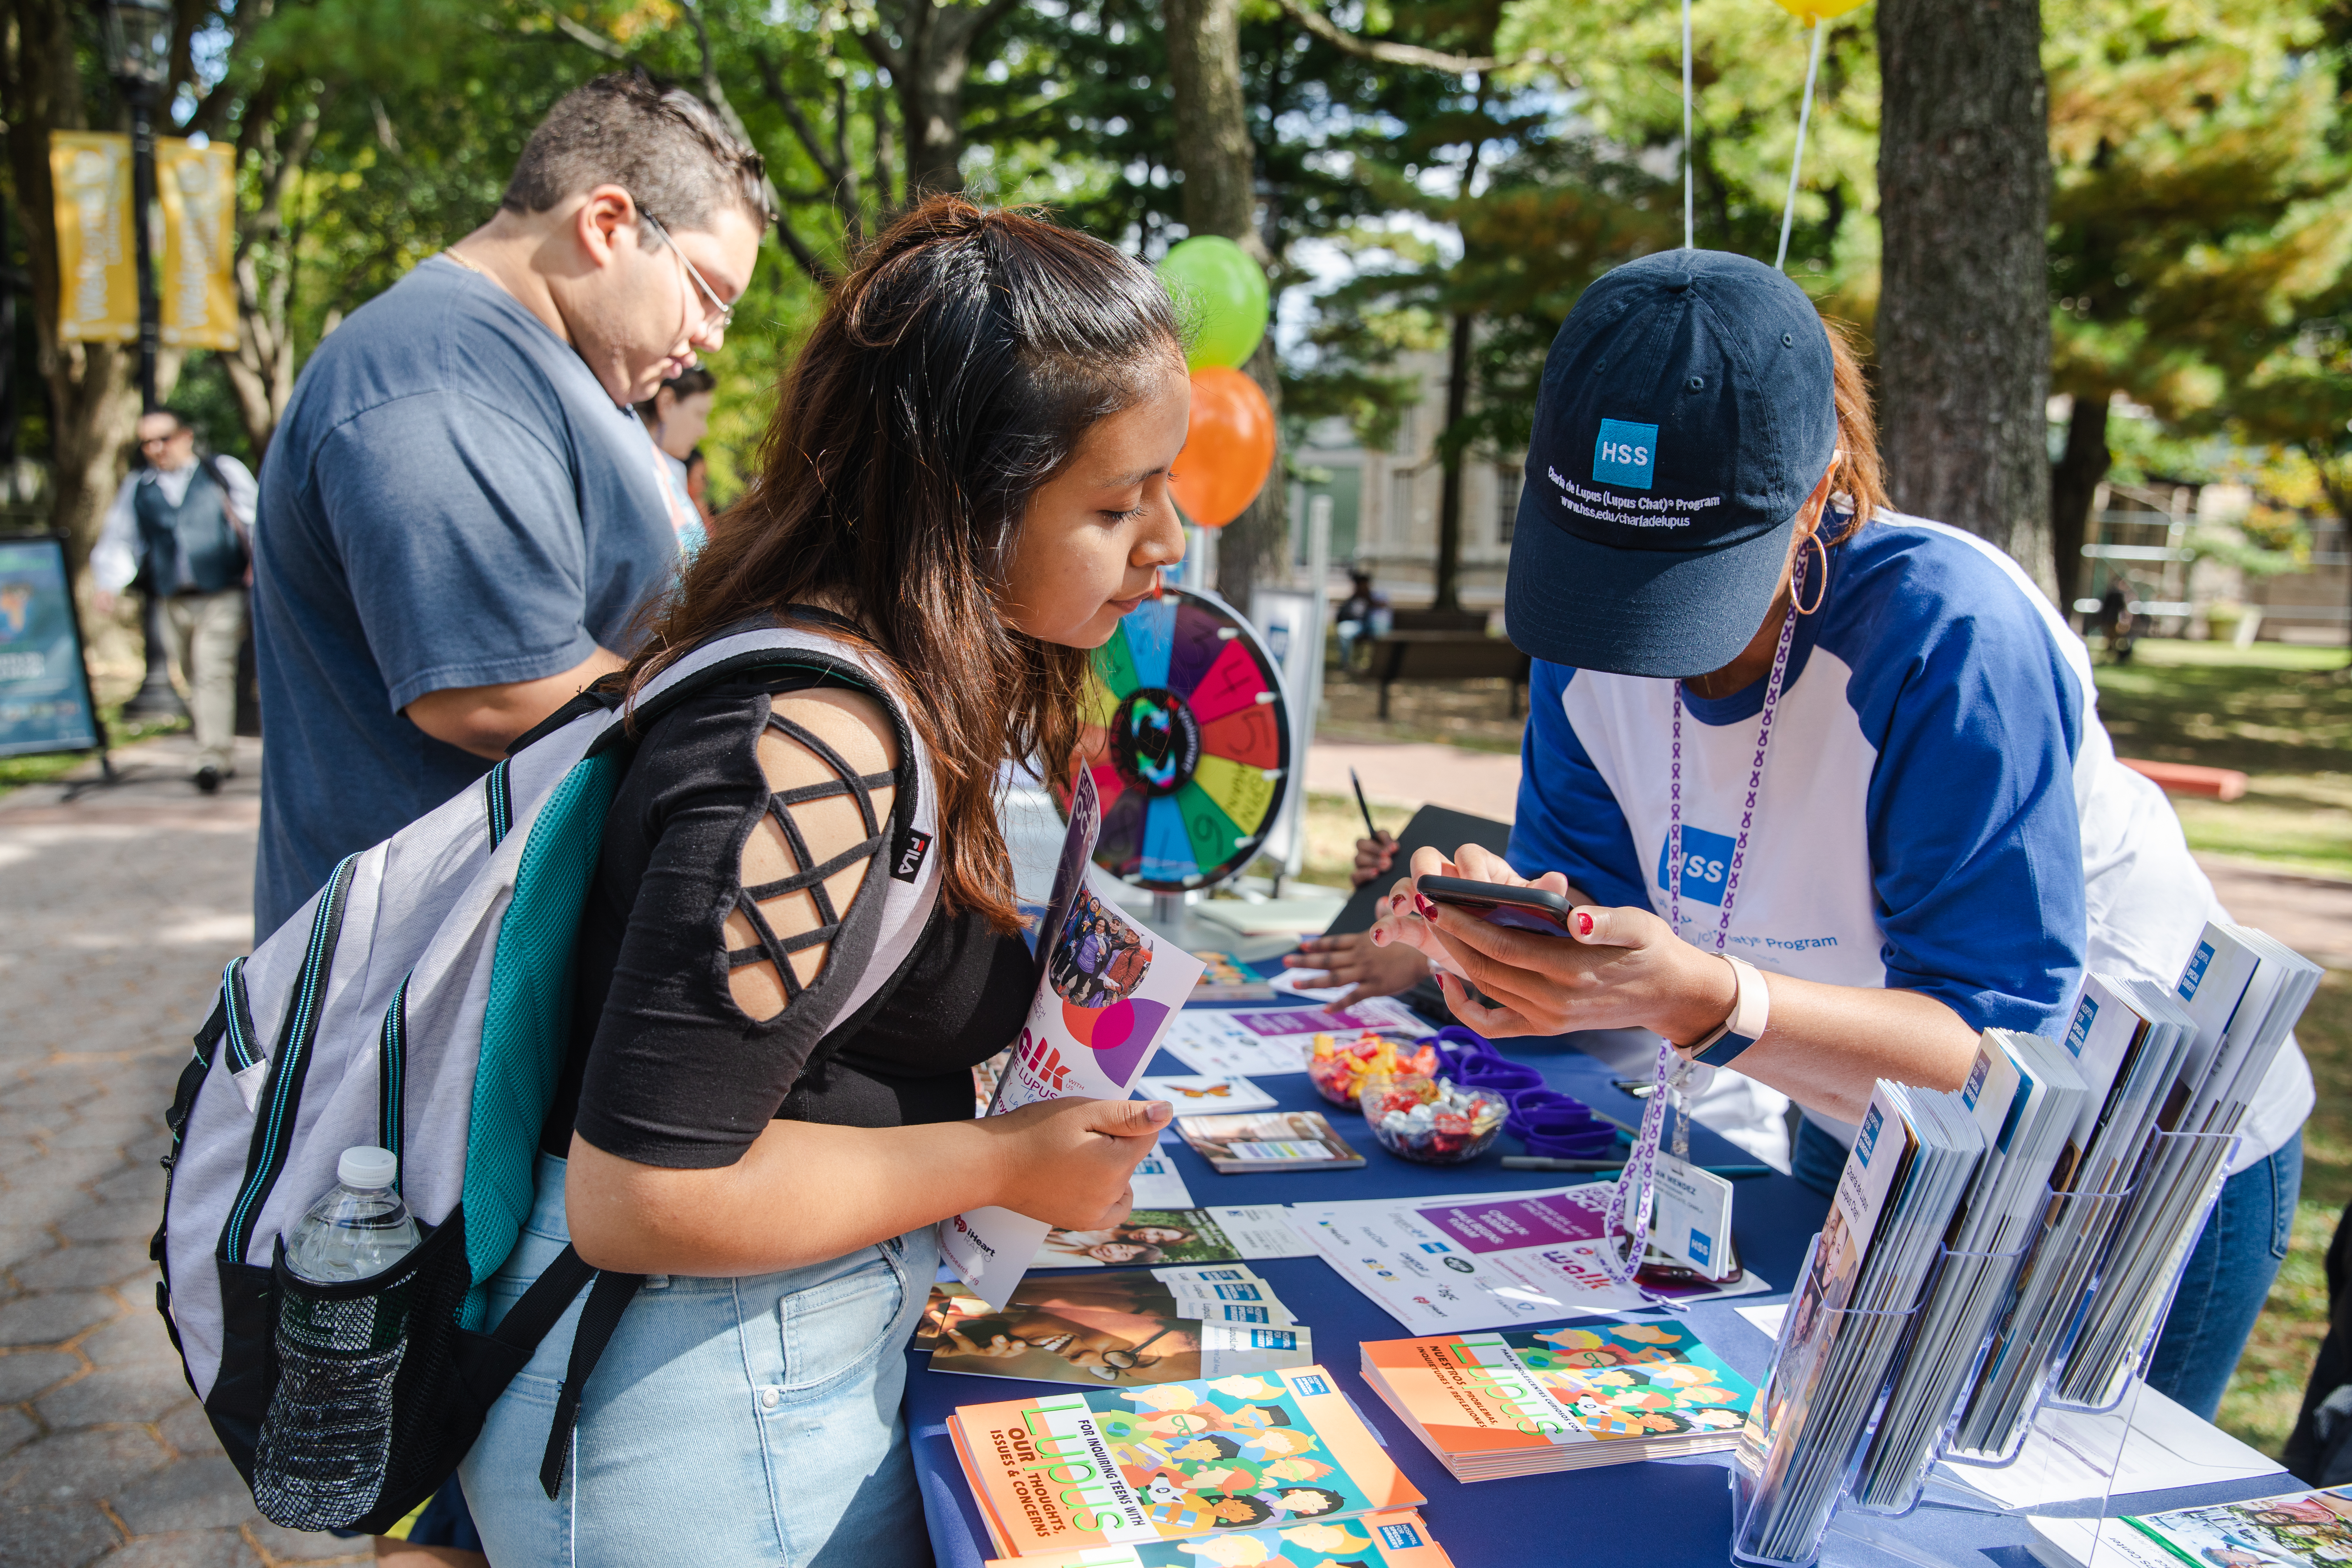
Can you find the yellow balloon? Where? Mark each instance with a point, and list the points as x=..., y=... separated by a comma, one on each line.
x=1818, y=10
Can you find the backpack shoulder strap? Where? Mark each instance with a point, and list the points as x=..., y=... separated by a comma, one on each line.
x=910, y=887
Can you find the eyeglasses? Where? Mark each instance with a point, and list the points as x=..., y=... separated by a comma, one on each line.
x=716, y=312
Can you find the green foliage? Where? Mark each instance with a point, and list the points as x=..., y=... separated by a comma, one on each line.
x=2198, y=197
x=1748, y=71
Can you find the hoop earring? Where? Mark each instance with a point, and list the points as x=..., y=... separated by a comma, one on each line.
x=1814, y=538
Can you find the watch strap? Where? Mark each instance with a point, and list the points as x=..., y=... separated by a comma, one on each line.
x=1750, y=1013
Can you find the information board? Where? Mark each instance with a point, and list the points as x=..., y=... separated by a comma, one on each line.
x=45, y=701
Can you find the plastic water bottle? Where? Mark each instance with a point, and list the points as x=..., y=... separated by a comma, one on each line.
x=360, y=1229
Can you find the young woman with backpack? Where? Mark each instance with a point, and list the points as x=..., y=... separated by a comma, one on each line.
x=964, y=487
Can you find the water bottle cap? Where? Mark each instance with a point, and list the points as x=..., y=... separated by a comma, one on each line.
x=367, y=1166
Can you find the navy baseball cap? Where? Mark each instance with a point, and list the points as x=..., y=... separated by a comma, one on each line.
x=1686, y=413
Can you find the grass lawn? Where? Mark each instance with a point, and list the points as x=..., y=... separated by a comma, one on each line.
x=2282, y=716
x=2279, y=715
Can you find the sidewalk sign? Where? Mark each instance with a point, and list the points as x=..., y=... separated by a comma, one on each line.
x=45, y=698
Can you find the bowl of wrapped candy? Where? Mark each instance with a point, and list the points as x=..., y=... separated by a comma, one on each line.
x=1432, y=1120
x=1339, y=1068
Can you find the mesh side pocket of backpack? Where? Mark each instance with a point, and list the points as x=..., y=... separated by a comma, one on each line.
x=360, y=1414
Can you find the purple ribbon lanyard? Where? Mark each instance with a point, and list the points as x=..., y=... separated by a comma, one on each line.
x=1637, y=1183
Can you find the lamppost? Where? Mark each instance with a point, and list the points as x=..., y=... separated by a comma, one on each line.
x=139, y=51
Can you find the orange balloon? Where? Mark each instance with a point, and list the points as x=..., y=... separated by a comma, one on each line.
x=1228, y=448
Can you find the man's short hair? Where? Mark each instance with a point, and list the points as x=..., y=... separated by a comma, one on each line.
x=181, y=421
x=664, y=147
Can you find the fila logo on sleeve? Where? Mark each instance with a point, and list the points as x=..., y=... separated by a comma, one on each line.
x=1626, y=455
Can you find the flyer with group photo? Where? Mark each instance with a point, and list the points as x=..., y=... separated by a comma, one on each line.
x=1107, y=990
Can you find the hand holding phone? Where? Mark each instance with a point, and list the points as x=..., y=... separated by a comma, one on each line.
x=1537, y=909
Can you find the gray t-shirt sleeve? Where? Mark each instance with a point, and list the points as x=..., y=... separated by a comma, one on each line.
x=459, y=531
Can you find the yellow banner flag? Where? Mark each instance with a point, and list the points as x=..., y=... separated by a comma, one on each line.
x=97, y=276
x=197, y=189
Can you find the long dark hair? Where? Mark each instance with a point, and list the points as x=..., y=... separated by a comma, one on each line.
x=952, y=373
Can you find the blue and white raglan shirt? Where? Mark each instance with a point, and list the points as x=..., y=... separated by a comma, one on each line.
x=1941, y=809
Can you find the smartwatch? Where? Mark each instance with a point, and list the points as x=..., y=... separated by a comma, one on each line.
x=1745, y=1025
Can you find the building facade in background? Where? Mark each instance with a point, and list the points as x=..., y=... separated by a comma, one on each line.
x=1384, y=503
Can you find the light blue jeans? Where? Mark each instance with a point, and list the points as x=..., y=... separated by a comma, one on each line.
x=730, y=1421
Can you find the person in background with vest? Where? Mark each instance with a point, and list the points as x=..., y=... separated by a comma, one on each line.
x=187, y=521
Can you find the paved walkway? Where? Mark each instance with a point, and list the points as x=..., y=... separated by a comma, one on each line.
x=121, y=907
x=120, y=910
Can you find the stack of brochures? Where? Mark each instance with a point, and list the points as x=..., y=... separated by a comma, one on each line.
x=1128, y=1329
x=2298, y=1529
x=1396, y=1539
x=2026, y=1098
x=1529, y=1401
x=1267, y=1141
x=1089, y=1468
x=2183, y=1066
x=2242, y=992
x=2127, y=1038
x=1912, y=1160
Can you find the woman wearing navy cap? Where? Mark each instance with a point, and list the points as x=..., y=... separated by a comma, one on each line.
x=1866, y=744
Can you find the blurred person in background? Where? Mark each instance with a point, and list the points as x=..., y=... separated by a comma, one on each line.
x=187, y=521
x=698, y=483
x=1363, y=615
x=678, y=416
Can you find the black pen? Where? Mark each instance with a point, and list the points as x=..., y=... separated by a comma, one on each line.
x=1370, y=831
x=1542, y=1162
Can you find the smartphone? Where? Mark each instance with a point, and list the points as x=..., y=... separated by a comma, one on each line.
x=1521, y=909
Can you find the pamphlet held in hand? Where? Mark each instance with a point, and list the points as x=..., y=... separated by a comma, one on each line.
x=1108, y=990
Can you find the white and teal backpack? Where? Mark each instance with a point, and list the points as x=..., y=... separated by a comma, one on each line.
x=421, y=1001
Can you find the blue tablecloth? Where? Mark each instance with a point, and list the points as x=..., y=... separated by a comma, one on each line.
x=1657, y=1513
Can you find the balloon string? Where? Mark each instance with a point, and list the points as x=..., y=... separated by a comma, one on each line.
x=1788, y=212
x=1686, y=127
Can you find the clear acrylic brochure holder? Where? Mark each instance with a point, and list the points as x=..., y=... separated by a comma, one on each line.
x=1961, y=1311
x=1784, y=1488
x=2066, y=1459
x=1995, y=1411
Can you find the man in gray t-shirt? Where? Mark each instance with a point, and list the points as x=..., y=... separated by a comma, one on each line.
x=460, y=516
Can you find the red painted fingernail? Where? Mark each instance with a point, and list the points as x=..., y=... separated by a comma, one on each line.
x=1379, y=937
x=1428, y=911
x=1584, y=924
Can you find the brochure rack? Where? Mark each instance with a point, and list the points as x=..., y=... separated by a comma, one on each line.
x=1781, y=1500
x=1894, y=1463
x=2013, y=1370
x=2180, y=1182
x=2066, y=1441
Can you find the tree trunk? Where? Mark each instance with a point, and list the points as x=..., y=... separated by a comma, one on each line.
x=1212, y=148
x=927, y=65
x=94, y=392
x=1449, y=500
x=2073, y=482
x=1963, y=331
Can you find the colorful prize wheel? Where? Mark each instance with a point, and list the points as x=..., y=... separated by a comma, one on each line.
x=1189, y=737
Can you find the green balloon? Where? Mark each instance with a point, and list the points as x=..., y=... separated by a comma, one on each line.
x=1220, y=296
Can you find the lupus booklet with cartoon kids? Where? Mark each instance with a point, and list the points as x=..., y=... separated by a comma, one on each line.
x=1108, y=991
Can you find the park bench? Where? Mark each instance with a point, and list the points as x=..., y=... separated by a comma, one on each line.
x=1446, y=656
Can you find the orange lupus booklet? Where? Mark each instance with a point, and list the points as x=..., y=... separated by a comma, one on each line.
x=1528, y=1401
x=1123, y=1467
x=1398, y=1540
